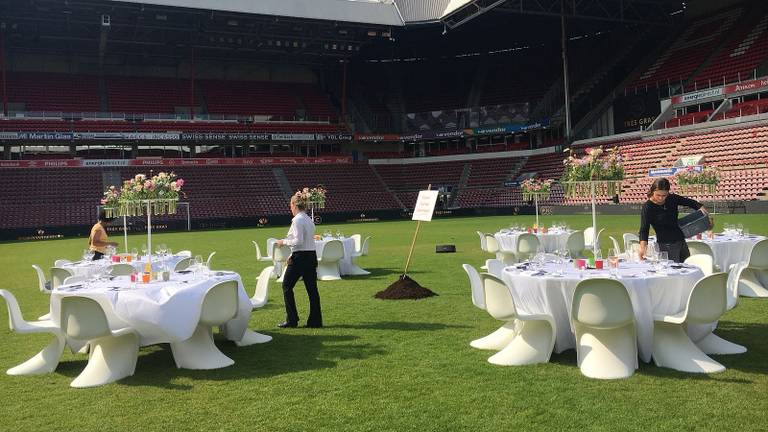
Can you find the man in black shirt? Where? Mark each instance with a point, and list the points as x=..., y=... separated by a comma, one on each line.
x=660, y=212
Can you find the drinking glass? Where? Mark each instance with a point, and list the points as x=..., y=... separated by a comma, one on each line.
x=86, y=254
x=739, y=229
x=144, y=250
x=135, y=253
x=664, y=257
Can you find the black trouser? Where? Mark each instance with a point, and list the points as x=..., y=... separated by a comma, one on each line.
x=97, y=255
x=677, y=251
x=302, y=264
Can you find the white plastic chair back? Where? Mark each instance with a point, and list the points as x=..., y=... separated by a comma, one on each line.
x=262, y=287
x=208, y=261
x=483, y=245
x=615, y=244
x=527, y=246
x=494, y=266
x=575, y=244
x=365, y=245
x=259, y=256
x=491, y=244
x=183, y=264
x=184, y=253
x=602, y=303
x=629, y=239
x=75, y=279
x=696, y=247
x=15, y=319
x=707, y=302
x=498, y=299
x=332, y=251
x=589, y=235
x=219, y=304
x=61, y=262
x=759, y=256
x=476, y=286
x=358, y=239
x=83, y=318
x=280, y=253
x=121, y=269
x=58, y=275
x=42, y=283
x=702, y=261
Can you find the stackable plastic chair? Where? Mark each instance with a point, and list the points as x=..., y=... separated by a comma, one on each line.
x=702, y=261
x=260, y=296
x=199, y=352
x=629, y=239
x=491, y=244
x=527, y=246
x=604, y=323
x=210, y=258
x=46, y=360
x=73, y=280
x=483, y=246
x=494, y=266
x=259, y=256
x=753, y=279
x=358, y=240
x=696, y=247
x=504, y=334
x=366, y=243
x=121, y=269
x=671, y=346
x=113, y=353
x=476, y=286
x=328, y=262
x=43, y=284
x=58, y=274
x=534, y=337
x=183, y=264
x=361, y=246
x=575, y=244
x=615, y=244
x=590, y=239
x=61, y=262
x=280, y=255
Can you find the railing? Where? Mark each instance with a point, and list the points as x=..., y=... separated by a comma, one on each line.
x=109, y=116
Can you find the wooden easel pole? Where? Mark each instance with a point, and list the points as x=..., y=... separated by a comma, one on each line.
x=413, y=242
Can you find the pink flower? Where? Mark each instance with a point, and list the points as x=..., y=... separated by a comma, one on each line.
x=588, y=150
x=180, y=183
x=103, y=201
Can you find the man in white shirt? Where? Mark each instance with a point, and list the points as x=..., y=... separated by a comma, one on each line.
x=301, y=264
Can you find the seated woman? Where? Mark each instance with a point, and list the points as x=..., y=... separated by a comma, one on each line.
x=98, y=240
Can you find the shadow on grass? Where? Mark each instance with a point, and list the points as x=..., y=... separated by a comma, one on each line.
x=397, y=326
x=377, y=271
x=287, y=353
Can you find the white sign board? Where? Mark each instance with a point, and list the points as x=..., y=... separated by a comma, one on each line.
x=425, y=205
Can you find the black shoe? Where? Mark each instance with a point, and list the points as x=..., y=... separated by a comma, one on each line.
x=288, y=325
x=313, y=325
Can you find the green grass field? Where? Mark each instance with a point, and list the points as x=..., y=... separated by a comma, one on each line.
x=377, y=365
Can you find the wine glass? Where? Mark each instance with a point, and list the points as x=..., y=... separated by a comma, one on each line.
x=86, y=254
x=613, y=262
x=664, y=257
x=144, y=250
x=135, y=253
x=739, y=229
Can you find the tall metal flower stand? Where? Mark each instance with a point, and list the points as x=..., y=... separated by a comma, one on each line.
x=137, y=208
x=535, y=195
x=593, y=188
x=699, y=190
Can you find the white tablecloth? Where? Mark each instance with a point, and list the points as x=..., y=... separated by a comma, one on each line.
x=92, y=268
x=650, y=293
x=729, y=250
x=346, y=267
x=159, y=311
x=552, y=241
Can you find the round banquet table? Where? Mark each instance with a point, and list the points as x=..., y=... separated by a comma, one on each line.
x=346, y=266
x=731, y=249
x=551, y=241
x=92, y=268
x=664, y=292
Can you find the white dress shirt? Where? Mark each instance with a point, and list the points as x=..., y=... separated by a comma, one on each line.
x=301, y=235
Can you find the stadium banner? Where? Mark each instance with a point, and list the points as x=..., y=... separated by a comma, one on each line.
x=171, y=136
x=377, y=137
x=134, y=136
x=698, y=95
x=510, y=128
x=668, y=172
x=46, y=136
x=634, y=111
x=176, y=162
x=744, y=86
x=747, y=86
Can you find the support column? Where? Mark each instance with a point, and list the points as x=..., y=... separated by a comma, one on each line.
x=344, y=92
x=2, y=69
x=564, y=39
x=192, y=85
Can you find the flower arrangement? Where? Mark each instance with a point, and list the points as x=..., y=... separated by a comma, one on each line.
x=314, y=197
x=161, y=191
x=534, y=187
x=599, y=168
x=692, y=181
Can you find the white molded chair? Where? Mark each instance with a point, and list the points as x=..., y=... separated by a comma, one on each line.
x=534, y=335
x=483, y=246
x=58, y=274
x=629, y=239
x=696, y=247
x=260, y=296
x=61, y=262
x=184, y=253
x=183, y=264
x=74, y=279
x=495, y=266
x=590, y=239
x=121, y=269
x=361, y=247
x=604, y=323
x=671, y=346
x=504, y=334
x=358, y=240
x=491, y=244
x=44, y=285
x=527, y=246
x=476, y=286
x=46, y=360
x=328, y=262
x=113, y=353
x=199, y=352
x=702, y=261
x=575, y=244
x=615, y=244
x=366, y=243
x=753, y=279
x=280, y=255
x=208, y=261
x=259, y=256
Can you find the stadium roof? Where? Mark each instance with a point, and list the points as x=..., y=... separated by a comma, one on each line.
x=380, y=12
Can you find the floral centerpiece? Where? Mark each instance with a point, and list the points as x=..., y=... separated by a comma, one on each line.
x=693, y=182
x=314, y=197
x=535, y=188
x=161, y=192
x=600, y=168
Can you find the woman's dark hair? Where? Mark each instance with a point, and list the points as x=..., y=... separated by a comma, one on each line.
x=103, y=216
x=659, y=184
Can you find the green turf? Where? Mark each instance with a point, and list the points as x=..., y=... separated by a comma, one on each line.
x=378, y=365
